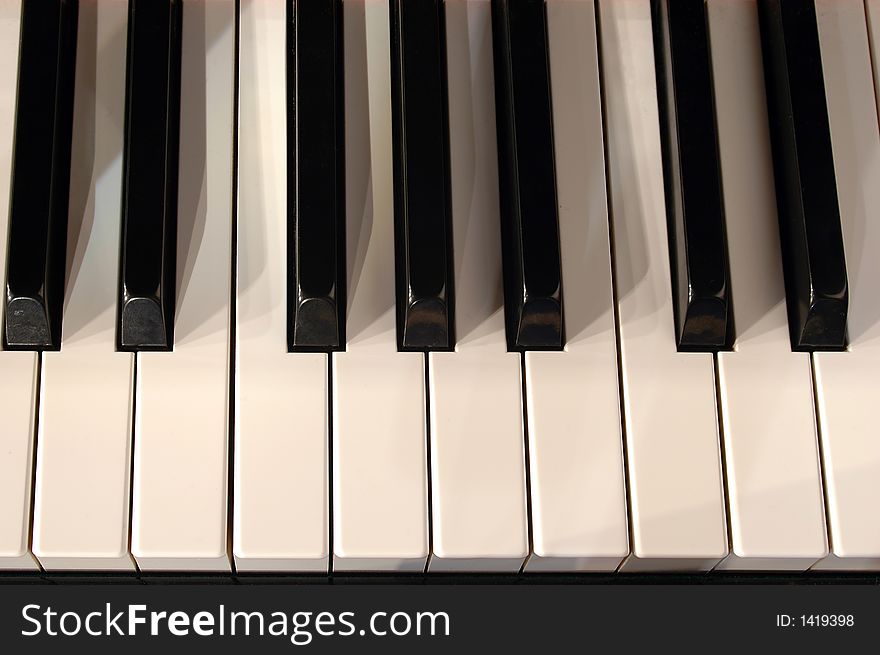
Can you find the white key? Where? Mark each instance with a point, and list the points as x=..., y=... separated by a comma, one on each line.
x=18, y=370
x=478, y=484
x=281, y=461
x=676, y=496
x=82, y=494
x=180, y=452
x=380, y=508
x=777, y=516
x=575, y=443
x=847, y=386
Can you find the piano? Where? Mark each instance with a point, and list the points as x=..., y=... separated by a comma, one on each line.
x=439, y=286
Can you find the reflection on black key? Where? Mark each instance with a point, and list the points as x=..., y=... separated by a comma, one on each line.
x=41, y=175
x=422, y=219
x=806, y=190
x=527, y=176
x=316, y=176
x=691, y=172
x=149, y=194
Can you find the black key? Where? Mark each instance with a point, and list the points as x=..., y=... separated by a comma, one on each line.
x=149, y=193
x=422, y=219
x=36, y=258
x=527, y=176
x=806, y=189
x=316, y=176
x=691, y=172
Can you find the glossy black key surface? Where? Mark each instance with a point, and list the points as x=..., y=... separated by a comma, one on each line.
x=422, y=219
x=316, y=176
x=149, y=193
x=806, y=189
x=691, y=173
x=527, y=176
x=37, y=245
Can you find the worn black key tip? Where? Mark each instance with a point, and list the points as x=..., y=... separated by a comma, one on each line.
x=426, y=326
x=143, y=325
x=824, y=326
x=540, y=325
x=706, y=324
x=27, y=324
x=315, y=325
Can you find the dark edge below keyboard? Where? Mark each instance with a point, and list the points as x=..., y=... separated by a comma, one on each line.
x=809, y=578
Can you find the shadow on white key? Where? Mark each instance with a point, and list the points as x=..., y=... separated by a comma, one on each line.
x=847, y=383
x=575, y=443
x=380, y=507
x=81, y=508
x=673, y=457
x=478, y=482
x=180, y=453
x=777, y=515
x=281, y=462
x=18, y=370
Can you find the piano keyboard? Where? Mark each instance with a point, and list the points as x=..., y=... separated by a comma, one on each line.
x=439, y=286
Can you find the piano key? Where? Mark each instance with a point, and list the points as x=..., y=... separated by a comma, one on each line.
x=379, y=477
x=675, y=487
x=578, y=491
x=529, y=216
x=774, y=484
x=82, y=492
x=846, y=382
x=41, y=174
x=478, y=482
x=421, y=176
x=180, y=466
x=18, y=370
x=695, y=208
x=806, y=193
x=281, y=399
x=149, y=202
x=316, y=177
